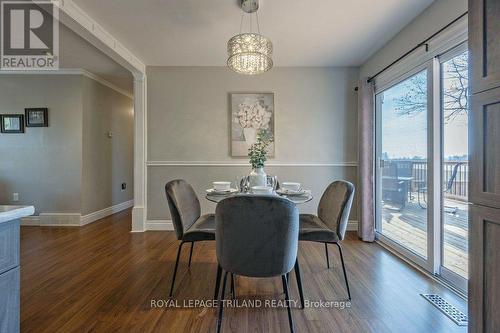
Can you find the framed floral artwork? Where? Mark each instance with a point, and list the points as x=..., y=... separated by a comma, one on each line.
x=250, y=112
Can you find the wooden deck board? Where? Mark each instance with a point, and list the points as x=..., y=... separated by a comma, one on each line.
x=408, y=226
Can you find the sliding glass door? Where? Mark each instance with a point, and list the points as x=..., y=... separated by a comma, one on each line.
x=402, y=162
x=454, y=167
x=421, y=167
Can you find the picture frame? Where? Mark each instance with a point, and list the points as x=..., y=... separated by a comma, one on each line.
x=250, y=112
x=36, y=117
x=11, y=123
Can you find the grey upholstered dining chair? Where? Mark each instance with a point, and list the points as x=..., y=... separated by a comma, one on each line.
x=256, y=236
x=189, y=225
x=330, y=225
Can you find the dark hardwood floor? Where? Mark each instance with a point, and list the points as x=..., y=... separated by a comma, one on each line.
x=102, y=278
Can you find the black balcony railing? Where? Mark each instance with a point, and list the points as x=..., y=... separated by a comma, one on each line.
x=417, y=171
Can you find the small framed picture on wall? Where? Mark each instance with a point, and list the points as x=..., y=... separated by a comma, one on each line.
x=12, y=123
x=37, y=117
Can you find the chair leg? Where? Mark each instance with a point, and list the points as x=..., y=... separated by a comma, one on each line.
x=175, y=268
x=190, y=254
x=221, y=306
x=345, y=272
x=233, y=288
x=327, y=258
x=287, y=299
x=299, y=282
x=217, y=282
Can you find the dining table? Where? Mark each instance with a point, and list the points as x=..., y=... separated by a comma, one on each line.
x=297, y=199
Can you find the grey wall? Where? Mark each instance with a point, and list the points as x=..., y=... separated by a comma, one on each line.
x=188, y=120
x=107, y=162
x=436, y=16
x=43, y=165
x=70, y=166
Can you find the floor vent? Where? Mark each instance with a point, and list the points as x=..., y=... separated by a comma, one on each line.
x=448, y=309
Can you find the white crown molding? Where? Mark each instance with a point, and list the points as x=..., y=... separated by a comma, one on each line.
x=89, y=29
x=166, y=225
x=71, y=71
x=106, y=83
x=239, y=164
x=139, y=77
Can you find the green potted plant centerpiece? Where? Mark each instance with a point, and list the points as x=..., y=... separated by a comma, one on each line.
x=258, y=156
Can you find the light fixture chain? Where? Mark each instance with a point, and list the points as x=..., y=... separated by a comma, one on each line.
x=258, y=27
x=241, y=21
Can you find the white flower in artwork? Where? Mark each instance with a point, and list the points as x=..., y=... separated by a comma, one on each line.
x=251, y=114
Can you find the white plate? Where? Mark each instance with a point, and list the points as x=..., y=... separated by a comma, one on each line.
x=213, y=191
x=292, y=193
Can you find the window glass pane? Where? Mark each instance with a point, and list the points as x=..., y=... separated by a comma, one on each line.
x=455, y=163
x=403, y=162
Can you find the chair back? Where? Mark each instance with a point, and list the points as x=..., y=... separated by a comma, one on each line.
x=256, y=236
x=184, y=205
x=335, y=206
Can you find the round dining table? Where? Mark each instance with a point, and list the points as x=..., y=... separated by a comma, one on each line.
x=295, y=199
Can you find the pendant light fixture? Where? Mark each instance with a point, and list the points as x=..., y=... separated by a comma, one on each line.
x=249, y=53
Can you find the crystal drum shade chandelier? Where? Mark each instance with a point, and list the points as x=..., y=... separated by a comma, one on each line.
x=250, y=53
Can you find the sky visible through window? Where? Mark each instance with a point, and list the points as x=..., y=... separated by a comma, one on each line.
x=404, y=136
x=404, y=114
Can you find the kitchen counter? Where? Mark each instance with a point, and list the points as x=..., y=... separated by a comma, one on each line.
x=10, y=217
x=9, y=213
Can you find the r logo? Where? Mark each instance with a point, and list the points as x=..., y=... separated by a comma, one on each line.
x=29, y=34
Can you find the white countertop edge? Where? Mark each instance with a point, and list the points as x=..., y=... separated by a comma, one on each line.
x=9, y=213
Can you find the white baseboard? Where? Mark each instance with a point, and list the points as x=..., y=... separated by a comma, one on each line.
x=166, y=225
x=73, y=219
x=138, y=219
x=31, y=221
x=352, y=225
x=52, y=220
x=92, y=217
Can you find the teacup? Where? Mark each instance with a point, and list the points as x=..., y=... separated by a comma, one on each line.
x=290, y=186
x=221, y=186
x=262, y=190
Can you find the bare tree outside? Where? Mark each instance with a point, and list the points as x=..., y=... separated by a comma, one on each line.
x=455, y=97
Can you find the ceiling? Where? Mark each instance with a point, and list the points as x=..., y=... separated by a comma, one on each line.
x=75, y=52
x=304, y=33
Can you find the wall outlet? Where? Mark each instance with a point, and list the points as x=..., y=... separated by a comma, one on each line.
x=124, y=186
x=15, y=196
